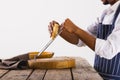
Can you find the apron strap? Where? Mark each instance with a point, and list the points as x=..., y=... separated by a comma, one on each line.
x=116, y=15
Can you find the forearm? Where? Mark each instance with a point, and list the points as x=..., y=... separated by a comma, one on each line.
x=70, y=37
x=88, y=39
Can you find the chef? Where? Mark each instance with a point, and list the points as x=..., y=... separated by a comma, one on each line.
x=103, y=37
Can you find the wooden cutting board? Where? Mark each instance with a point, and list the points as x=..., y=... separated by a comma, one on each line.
x=52, y=63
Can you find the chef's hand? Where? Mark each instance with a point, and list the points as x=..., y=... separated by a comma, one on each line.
x=51, y=25
x=69, y=26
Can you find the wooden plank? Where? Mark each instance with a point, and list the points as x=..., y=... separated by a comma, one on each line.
x=37, y=74
x=3, y=72
x=78, y=72
x=90, y=71
x=59, y=74
x=84, y=71
x=17, y=75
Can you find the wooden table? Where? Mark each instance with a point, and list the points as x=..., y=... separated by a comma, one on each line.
x=83, y=71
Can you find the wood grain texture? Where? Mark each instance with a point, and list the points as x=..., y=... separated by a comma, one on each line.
x=58, y=74
x=3, y=72
x=17, y=75
x=37, y=74
x=84, y=71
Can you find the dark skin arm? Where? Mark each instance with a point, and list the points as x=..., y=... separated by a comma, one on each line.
x=88, y=39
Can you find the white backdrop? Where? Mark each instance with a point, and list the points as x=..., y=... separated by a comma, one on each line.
x=24, y=25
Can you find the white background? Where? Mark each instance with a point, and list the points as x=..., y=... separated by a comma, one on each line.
x=24, y=25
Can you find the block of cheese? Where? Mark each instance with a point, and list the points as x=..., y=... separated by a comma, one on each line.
x=43, y=55
x=55, y=31
x=52, y=63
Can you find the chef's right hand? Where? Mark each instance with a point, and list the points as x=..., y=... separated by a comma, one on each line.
x=51, y=25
